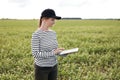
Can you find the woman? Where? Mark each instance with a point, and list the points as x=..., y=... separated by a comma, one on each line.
x=45, y=47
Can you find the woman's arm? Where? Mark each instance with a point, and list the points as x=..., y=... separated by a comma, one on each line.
x=43, y=54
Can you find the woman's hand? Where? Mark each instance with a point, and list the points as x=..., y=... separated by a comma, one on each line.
x=58, y=50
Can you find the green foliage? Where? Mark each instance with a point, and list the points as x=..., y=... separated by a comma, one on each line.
x=98, y=42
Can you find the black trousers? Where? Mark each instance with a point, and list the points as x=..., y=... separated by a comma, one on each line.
x=46, y=73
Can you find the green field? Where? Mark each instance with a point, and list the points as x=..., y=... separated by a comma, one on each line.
x=98, y=42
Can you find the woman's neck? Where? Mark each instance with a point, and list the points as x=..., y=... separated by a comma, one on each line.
x=43, y=28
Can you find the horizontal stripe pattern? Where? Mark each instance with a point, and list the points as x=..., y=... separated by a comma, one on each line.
x=43, y=44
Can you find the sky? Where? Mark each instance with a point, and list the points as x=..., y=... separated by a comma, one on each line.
x=86, y=9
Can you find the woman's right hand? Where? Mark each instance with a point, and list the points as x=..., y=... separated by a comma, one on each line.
x=58, y=50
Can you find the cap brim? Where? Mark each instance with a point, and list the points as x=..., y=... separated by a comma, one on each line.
x=57, y=17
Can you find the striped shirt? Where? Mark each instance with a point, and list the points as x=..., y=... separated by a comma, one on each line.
x=43, y=43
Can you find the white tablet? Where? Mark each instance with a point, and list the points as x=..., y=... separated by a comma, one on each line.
x=69, y=51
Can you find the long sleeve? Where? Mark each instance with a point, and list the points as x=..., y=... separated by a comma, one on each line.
x=36, y=51
x=43, y=44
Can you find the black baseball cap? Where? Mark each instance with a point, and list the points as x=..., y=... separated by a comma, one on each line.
x=50, y=13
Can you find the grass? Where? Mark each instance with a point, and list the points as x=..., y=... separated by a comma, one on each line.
x=98, y=42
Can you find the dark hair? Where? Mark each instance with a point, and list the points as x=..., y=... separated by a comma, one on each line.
x=40, y=21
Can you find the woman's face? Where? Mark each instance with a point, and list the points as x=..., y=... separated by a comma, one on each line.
x=50, y=22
